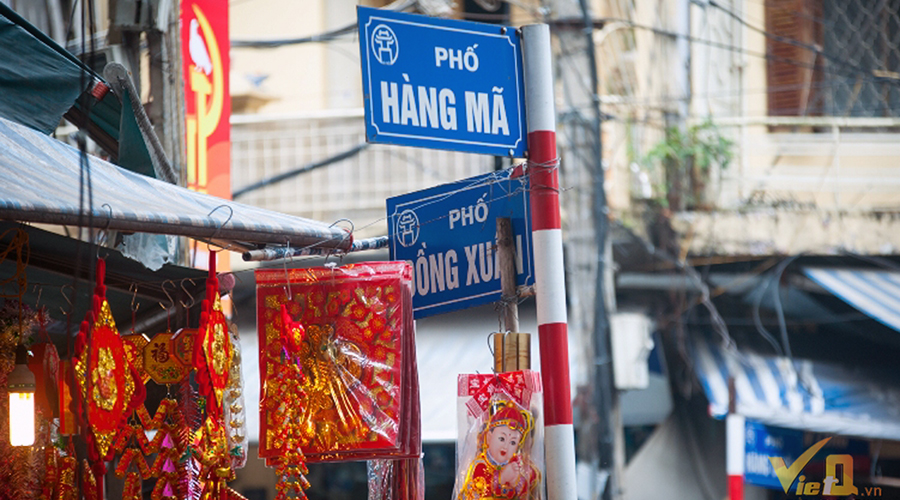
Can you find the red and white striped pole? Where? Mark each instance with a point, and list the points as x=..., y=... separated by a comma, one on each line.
x=734, y=454
x=549, y=276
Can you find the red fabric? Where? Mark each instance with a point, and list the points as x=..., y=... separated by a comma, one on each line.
x=44, y=364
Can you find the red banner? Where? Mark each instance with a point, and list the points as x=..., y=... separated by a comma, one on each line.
x=204, y=36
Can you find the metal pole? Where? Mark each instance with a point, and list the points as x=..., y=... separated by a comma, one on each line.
x=550, y=282
x=735, y=425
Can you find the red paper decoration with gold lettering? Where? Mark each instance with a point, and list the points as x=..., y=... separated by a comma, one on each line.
x=354, y=399
x=160, y=362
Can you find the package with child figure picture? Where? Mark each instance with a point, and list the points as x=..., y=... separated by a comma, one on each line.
x=500, y=447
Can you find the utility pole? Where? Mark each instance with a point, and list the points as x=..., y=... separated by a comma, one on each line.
x=605, y=396
x=589, y=253
x=549, y=276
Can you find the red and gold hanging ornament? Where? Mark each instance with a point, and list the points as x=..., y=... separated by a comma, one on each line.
x=160, y=362
x=90, y=490
x=212, y=347
x=134, y=349
x=212, y=361
x=109, y=388
x=68, y=422
x=51, y=473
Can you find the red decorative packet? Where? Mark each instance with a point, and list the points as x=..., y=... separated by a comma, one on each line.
x=480, y=387
x=500, y=445
x=360, y=391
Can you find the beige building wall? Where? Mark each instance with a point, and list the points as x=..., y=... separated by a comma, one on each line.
x=797, y=184
x=293, y=78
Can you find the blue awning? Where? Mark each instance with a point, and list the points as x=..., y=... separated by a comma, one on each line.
x=805, y=395
x=875, y=293
x=41, y=184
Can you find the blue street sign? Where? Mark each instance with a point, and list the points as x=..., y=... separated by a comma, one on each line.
x=449, y=232
x=442, y=83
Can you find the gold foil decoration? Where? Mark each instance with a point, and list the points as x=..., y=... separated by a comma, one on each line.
x=103, y=380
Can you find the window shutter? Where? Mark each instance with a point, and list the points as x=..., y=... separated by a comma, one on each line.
x=790, y=73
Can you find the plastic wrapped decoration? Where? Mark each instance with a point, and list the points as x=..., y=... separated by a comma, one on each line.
x=235, y=412
x=501, y=450
x=401, y=479
x=360, y=389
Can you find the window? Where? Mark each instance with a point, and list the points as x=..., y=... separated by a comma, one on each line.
x=833, y=58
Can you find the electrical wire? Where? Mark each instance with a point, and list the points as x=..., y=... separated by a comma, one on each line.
x=281, y=42
x=718, y=323
x=790, y=41
x=757, y=321
x=779, y=308
x=327, y=36
x=355, y=150
x=488, y=180
x=861, y=75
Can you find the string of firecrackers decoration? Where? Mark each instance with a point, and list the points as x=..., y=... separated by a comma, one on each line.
x=68, y=483
x=132, y=487
x=89, y=488
x=291, y=463
x=343, y=326
x=168, y=444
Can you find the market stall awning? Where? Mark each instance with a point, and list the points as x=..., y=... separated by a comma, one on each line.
x=874, y=292
x=41, y=184
x=802, y=394
x=39, y=81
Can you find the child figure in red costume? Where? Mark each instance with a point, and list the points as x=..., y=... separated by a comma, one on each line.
x=502, y=469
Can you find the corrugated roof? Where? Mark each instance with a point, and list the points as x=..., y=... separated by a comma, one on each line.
x=41, y=184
